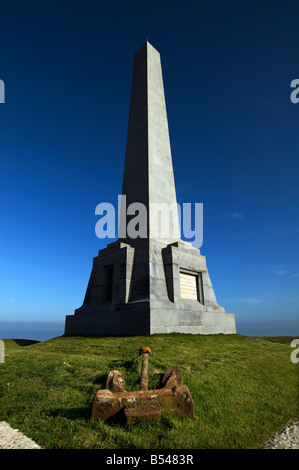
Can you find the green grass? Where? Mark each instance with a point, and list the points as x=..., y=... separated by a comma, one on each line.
x=244, y=389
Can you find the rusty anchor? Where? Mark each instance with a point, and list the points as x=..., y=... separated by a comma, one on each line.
x=143, y=404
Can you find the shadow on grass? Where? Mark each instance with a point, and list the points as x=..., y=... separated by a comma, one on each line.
x=159, y=379
x=25, y=342
x=119, y=363
x=101, y=380
x=83, y=412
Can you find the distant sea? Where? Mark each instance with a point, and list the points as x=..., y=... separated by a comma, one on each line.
x=38, y=331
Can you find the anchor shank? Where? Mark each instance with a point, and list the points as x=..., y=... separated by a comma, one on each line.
x=144, y=372
x=144, y=352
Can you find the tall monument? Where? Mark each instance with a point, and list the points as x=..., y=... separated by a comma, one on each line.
x=156, y=283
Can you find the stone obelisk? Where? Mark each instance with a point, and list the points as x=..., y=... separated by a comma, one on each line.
x=148, y=174
x=155, y=283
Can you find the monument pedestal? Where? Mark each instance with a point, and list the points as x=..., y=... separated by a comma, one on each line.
x=156, y=289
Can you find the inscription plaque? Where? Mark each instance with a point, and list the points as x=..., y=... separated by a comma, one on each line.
x=188, y=286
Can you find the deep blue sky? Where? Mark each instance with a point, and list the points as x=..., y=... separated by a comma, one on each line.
x=227, y=68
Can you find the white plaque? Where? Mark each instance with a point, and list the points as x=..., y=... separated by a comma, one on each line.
x=188, y=286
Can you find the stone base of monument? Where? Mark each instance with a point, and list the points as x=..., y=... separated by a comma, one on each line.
x=156, y=289
x=138, y=322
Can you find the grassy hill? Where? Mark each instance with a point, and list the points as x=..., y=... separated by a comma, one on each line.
x=244, y=389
